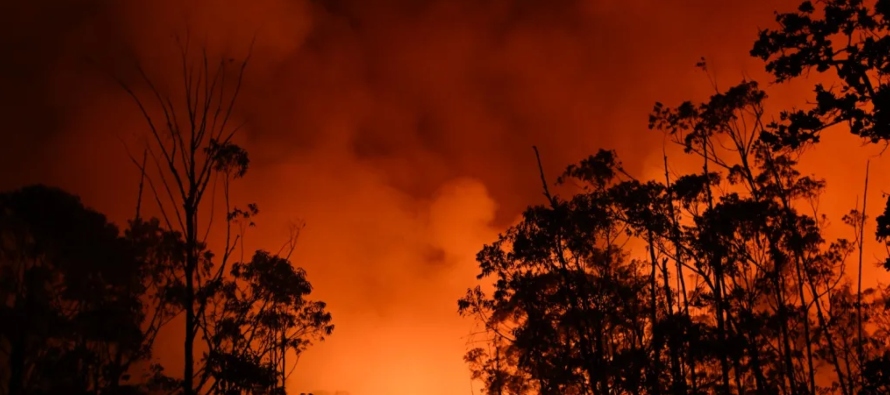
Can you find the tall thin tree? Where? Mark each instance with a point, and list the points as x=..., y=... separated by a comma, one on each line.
x=191, y=145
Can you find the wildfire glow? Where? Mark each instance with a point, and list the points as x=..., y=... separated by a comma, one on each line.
x=400, y=132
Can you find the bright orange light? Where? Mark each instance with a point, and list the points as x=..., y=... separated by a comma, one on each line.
x=401, y=134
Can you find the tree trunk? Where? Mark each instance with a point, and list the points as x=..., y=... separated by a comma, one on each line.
x=190, y=318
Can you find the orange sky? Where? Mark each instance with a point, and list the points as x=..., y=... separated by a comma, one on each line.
x=399, y=130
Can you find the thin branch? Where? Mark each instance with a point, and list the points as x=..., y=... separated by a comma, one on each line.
x=167, y=188
x=141, y=183
x=859, y=282
x=547, y=194
x=151, y=186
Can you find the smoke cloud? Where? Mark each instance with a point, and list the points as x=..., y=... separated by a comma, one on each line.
x=400, y=131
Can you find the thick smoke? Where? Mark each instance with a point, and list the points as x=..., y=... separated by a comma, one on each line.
x=399, y=130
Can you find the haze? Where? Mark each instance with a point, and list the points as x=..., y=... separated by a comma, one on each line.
x=399, y=131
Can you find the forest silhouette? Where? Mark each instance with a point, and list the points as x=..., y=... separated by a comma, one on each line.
x=715, y=281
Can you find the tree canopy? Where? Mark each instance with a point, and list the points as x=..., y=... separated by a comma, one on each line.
x=716, y=281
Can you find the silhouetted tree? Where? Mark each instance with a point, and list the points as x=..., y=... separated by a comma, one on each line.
x=735, y=291
x=70, y=288
x=191, y=148
x=848, y=40
x=260, y=316
x=161, y=254
x=851, y=40
x=191, y=158
x=567, y=300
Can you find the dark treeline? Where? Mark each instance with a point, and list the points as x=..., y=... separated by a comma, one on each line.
x=82, y=301
x=734, y=289
x=718, y=281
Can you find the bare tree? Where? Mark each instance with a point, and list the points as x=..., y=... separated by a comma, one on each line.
x=191, y=155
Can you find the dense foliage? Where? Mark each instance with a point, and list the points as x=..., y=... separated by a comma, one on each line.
x=83, y=302
x=718, y=281
x=733, y=290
